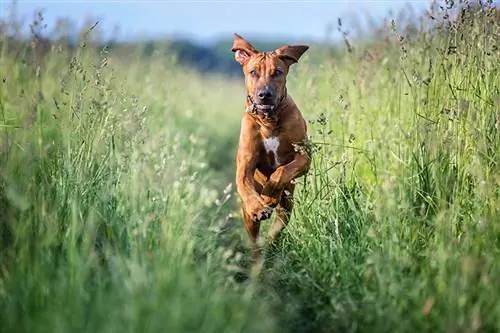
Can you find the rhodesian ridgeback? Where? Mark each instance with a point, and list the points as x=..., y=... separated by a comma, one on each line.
x=269, y=157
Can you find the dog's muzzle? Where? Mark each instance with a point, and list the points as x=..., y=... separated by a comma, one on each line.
x=265, y=109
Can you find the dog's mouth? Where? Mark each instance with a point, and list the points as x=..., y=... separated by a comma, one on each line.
x=265, y=107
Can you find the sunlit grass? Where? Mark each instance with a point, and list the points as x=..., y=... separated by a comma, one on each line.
x=118, y=211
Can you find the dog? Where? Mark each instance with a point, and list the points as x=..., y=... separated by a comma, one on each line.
x=268, y=157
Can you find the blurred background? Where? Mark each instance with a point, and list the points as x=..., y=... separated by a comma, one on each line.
x=200, y=32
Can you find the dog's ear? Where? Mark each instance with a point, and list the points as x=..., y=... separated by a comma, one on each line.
x=291, y=54
x=242, y=49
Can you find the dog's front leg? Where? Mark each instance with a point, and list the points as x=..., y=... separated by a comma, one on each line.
x=271, y=193
x=246, y=164
x=253, y=204
x=253, y=207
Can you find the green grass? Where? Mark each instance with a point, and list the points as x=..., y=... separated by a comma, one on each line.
x=118, y=210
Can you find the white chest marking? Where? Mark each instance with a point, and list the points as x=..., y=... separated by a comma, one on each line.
x=271, y=145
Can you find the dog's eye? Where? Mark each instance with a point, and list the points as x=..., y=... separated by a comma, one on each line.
x=277, y=73
x=253, y=73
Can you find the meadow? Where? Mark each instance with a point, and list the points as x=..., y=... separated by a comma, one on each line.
x=118, y=209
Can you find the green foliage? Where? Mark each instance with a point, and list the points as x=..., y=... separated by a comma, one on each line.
x=117, y=210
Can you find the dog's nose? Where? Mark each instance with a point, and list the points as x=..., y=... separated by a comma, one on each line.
x=265, y=93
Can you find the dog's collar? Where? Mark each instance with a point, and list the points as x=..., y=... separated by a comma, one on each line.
x=253, y=108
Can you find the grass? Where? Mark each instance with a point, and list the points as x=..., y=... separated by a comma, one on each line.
x=118, y=211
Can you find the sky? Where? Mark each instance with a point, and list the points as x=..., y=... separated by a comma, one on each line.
x=203, y=21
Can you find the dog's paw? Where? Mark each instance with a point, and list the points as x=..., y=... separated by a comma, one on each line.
x=263, y=214
x=259, y=212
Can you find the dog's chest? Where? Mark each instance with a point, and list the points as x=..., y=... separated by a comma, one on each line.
x=271, y=146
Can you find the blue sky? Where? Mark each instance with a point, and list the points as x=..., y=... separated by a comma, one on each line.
x=205, y=20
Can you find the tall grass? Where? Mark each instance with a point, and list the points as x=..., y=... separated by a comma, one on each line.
x=105, y=174
x=117, y=210
x=397, y=228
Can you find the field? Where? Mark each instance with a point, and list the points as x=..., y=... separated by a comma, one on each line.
x=118, y=208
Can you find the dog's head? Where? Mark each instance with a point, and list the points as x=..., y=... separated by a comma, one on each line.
x=265, y=72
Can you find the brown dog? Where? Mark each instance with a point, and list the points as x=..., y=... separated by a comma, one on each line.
x=272, y=127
